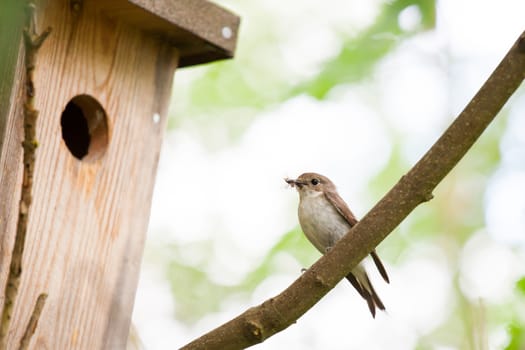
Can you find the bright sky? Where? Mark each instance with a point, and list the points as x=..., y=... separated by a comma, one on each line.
x=236, y=195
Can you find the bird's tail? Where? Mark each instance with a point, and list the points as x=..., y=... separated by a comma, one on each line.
x=362, y=284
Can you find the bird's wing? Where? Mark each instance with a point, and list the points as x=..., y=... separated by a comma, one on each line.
x=342, y=208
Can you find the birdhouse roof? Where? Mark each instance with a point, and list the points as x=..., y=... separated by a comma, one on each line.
x=201, y=30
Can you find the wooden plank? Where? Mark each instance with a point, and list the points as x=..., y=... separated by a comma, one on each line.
x=11, y=22
x=11, y=97
x=201, y=30
x=88, y=220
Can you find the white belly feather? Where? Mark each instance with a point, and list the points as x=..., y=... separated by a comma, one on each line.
x=321, y=222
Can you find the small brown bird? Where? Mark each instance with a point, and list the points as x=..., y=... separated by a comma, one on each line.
x=325, y=218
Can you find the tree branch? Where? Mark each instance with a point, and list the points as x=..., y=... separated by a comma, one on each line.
x=33, y=322
x=275, y=314
x=32, y=42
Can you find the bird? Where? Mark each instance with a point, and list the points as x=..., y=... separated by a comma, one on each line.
x=324, y=218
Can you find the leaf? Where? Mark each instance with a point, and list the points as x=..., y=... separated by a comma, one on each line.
x=521, y=285
x=517, y=337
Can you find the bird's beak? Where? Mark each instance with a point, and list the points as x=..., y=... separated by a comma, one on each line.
x=294, y=182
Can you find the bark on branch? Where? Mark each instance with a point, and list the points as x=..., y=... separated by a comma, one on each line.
x=275, y=314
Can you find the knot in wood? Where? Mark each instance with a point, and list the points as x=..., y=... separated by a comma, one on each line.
x=76, y=6
x=320, y=281
x=254, y=330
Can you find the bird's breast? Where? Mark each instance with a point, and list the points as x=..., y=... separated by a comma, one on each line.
x=321, y=222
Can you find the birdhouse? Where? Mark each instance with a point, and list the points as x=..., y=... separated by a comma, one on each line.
x=97, y=88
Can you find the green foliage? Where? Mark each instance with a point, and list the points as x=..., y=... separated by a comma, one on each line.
x=359, y=55
x=517, y=337
x=196, y=293
x=11, y=24
x=293, y=243
x=255, y=79
x=521, y=285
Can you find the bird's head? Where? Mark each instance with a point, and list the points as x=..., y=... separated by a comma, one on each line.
x=311, y=184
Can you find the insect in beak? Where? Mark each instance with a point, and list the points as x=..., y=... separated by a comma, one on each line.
x=294, y=182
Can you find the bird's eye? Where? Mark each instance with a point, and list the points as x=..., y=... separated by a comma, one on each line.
x=315, y=182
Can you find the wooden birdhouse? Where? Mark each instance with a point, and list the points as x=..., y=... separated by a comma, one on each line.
x=83, y=110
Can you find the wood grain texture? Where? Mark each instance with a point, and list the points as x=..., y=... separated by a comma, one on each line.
x=32, y=42
x=88, y=220
x=194, y=26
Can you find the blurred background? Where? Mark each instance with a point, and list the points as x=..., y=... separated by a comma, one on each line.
x=357, y=91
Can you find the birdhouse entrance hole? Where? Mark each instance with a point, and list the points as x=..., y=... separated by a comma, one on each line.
x=85, y=128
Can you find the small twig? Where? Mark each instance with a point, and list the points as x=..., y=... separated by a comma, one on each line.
x=32, y=42
x=33, y=322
